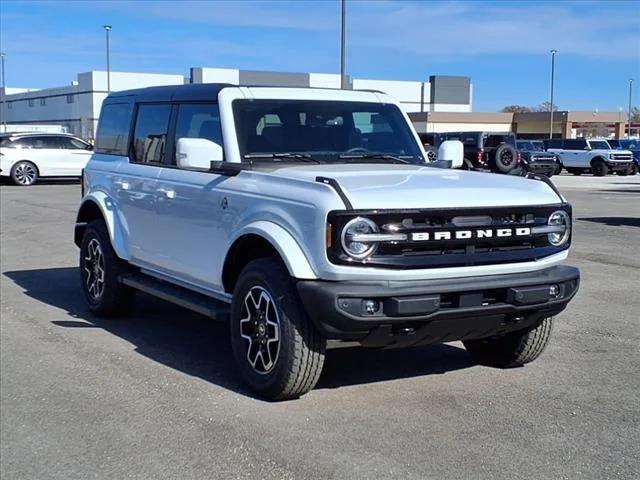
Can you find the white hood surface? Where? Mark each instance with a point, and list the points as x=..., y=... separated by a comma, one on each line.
x=393, y=186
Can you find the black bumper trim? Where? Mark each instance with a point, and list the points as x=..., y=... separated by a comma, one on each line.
x=454, y=308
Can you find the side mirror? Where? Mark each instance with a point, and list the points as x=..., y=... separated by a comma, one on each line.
x=452, y=151
x=89, y=147
x=197, y=153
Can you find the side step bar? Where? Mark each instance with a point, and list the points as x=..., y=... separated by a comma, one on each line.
x=204, y=305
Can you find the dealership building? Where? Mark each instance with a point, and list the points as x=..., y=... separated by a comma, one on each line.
x=76, y=107
x=441, y=104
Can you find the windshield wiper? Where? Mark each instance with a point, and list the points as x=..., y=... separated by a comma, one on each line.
x=278, y=156
x=372, y=156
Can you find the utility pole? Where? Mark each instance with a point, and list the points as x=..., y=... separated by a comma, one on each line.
x=629, y=116
x=343, y=39
x=553, y=66
x=107, y=28
x=4, y=96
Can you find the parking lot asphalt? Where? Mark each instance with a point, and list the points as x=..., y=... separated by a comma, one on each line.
x=156, y=394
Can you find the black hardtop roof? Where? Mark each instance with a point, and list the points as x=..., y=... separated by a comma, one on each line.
x=194, y=91
x=190, y=92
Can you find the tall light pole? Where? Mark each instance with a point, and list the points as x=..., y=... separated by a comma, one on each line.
x=629, y=117
x=4, y=96
x=107, y=28
x=553, y=68
x=343, y=38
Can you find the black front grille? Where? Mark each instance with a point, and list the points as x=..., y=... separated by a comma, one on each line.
x=414, y=252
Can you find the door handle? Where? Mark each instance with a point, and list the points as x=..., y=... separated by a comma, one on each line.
x=122, y=185
x=168, y=193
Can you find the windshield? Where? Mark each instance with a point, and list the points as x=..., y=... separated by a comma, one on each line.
x=327, y=131
x=599, y=145
x=526, y=146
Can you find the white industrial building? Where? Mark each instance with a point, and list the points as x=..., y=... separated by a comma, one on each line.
x=76, y=107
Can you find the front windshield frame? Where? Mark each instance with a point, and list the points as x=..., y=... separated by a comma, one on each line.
x=333, y=118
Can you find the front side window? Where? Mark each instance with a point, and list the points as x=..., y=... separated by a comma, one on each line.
x=326, y=131
x=113, y=129
x=198, y=120
x=150, y=134
x=69, y=143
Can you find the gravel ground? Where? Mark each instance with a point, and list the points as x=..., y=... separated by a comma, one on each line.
x=156, y=394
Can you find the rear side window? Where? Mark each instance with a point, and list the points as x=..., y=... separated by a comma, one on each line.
x=113, y=129
x=37, y=142
x=575, y=144
x=150, y=134
x=555, y=143
x=198, y=120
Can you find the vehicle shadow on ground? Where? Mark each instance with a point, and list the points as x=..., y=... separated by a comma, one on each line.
x=198, y=346
x=614, y=221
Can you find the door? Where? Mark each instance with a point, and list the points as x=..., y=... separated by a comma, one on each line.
x=44, y=151
x=76, y=154
x=576, y=153
x=135, y=182
x=189, y=206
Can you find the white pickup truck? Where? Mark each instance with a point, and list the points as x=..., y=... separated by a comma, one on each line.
x=302, y=216
x=584, y=155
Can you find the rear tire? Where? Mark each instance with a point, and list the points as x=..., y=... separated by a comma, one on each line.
x=634, y=169
x=100, y=268
x=599, y=168
x=24, y=173
x=514, y=349
x=277, y=348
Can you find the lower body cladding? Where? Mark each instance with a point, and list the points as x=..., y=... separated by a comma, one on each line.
x=619, y=166
x=408, y=313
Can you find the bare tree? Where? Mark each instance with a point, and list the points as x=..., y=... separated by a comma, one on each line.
x=545, y=107
x=515, y=109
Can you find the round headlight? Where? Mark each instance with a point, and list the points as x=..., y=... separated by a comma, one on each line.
x=360, y=249
x=559, y=218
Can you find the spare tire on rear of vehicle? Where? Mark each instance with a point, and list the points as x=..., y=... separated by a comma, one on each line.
x=432, y=153
x=505, y=158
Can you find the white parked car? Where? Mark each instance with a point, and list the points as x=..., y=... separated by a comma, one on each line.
x=582, y=155
x=25, y=157
x=305, y=215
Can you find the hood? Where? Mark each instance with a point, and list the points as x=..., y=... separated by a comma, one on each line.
x=392, y=186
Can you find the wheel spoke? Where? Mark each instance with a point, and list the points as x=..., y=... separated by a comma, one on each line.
x=260, y=327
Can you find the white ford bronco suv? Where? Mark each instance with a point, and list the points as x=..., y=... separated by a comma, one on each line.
x=591, y=155
x=305, y=215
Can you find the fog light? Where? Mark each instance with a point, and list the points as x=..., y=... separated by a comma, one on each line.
x=554, y=291
x=371, y=306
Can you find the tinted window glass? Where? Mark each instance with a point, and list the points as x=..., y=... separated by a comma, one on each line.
x=113, y=129
x=470, y=139
x=37, y=142
x=198, y=121
x=323, y=129
x=72, y=144
x=497, y=140
x=555, y=143
x=150, y=134
x=575, y=144
x=599, y=145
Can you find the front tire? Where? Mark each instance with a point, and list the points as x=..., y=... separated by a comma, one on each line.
x=100, y=268
x=277, y=348
x=514, y=349
x=599, y=168
x=24, y=173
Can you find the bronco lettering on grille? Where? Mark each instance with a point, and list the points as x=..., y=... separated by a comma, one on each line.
x=469, y=234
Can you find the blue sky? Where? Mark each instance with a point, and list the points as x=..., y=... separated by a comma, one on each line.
x=503, y=46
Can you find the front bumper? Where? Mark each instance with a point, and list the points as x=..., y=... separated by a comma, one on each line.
x=619, y=166
x=543, y=168
x=419, y=312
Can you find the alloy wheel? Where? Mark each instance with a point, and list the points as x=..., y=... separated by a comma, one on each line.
x=94, y=268
x=25, y=174
x=260, y=327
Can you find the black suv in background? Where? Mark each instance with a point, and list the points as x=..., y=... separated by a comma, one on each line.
x=535, y=159
x=488, y=151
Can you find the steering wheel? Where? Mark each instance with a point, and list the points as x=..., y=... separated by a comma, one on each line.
x=357, y=150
